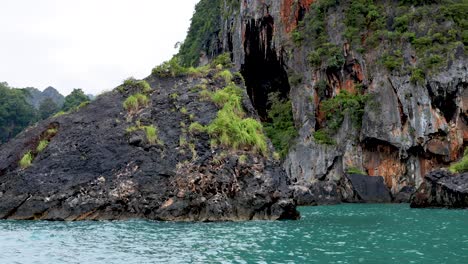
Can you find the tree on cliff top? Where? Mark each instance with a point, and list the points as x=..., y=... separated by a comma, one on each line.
x=203, y=33
x=15, y=112
x=74, y=99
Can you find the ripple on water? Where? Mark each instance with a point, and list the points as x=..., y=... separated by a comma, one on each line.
x=333, y=234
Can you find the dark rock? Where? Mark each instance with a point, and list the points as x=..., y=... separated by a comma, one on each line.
x=356, y=188
x=404, y=195
x=93, y=168
x=442, y=189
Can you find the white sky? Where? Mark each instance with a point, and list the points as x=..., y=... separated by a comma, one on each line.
x=88, y=44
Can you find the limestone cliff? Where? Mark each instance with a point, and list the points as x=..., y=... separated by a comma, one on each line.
x=394, y=73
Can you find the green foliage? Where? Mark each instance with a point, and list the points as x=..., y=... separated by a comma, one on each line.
x=151, y=134
x=136, y=102
x=171, y=68
x=335, y=110
x=74, y=99
x=174, y=96
x=60, y=113
x=280, y=129
x=196, y=128
x=226, y=75
x=203, y=32
x=184, y=110
x=26, y=160
x=51, y=132
x=223, y=60
x=230, y=128
x=15, y=113
x=295, y=79
x=462, y=165
x=393, y=61
x=231, y=95
x=322, y=137
x=47, y=108
x=344, y=103
x=354, y=170
x=321, y=88
x=417, y=76
x=42, y=145
x=361, y=17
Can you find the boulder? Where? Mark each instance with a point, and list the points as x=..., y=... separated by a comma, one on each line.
x=357, y=188
x=442, y=189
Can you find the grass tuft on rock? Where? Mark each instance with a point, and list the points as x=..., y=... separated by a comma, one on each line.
x=42, y=145
x=462, y=165
x=135, y=102
x=230, y=128
x=26, y=160
x=354, y=170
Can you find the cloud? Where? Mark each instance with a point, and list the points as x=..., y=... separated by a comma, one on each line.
x=87, y=44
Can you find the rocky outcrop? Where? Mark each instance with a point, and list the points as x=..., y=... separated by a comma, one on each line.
x=411, y=125
x=36, y=97
x=99, y=164
x=442, y=189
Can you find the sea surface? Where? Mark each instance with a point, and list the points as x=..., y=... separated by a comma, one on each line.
x=352, y=233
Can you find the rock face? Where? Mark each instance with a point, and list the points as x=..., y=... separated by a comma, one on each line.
x=442, y=189
x=356, y=188
x=99, y=165
x=411, y=125
x=37, y=97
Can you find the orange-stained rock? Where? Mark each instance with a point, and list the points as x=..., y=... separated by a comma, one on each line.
x=357, y=71
x=438, y=147
x=350, y=86
x=290, y=12
x=384, y=161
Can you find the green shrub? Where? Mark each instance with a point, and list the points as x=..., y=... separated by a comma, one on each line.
x=83, y=104
x=26, y=160
x=280, y=128
x=144, y=86
x=322, y=137
x=51, y=132
x=61, y=113
x=243, y=159
x=231, y=94
x=223, y=60
x=199, y=71
x=321, y=88
x=151, y=134
x=184, y=110
x=196, y=128
x=354, y=170
x=417, y=76
x=297, y=36
x=295, y=79
x=226, y=75
x=462, y=165
x=130, y=81
x=42, y=145
x=393, y=61
x=230, y=128
x=171, y=68
x=345, y=102
x=135, y=102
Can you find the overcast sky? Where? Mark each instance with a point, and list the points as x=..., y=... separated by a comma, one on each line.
x=88, y=44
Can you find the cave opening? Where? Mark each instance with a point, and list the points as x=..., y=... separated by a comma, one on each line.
x=263, y=70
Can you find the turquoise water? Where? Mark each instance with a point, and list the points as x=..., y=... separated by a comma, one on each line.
x=333, y=234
